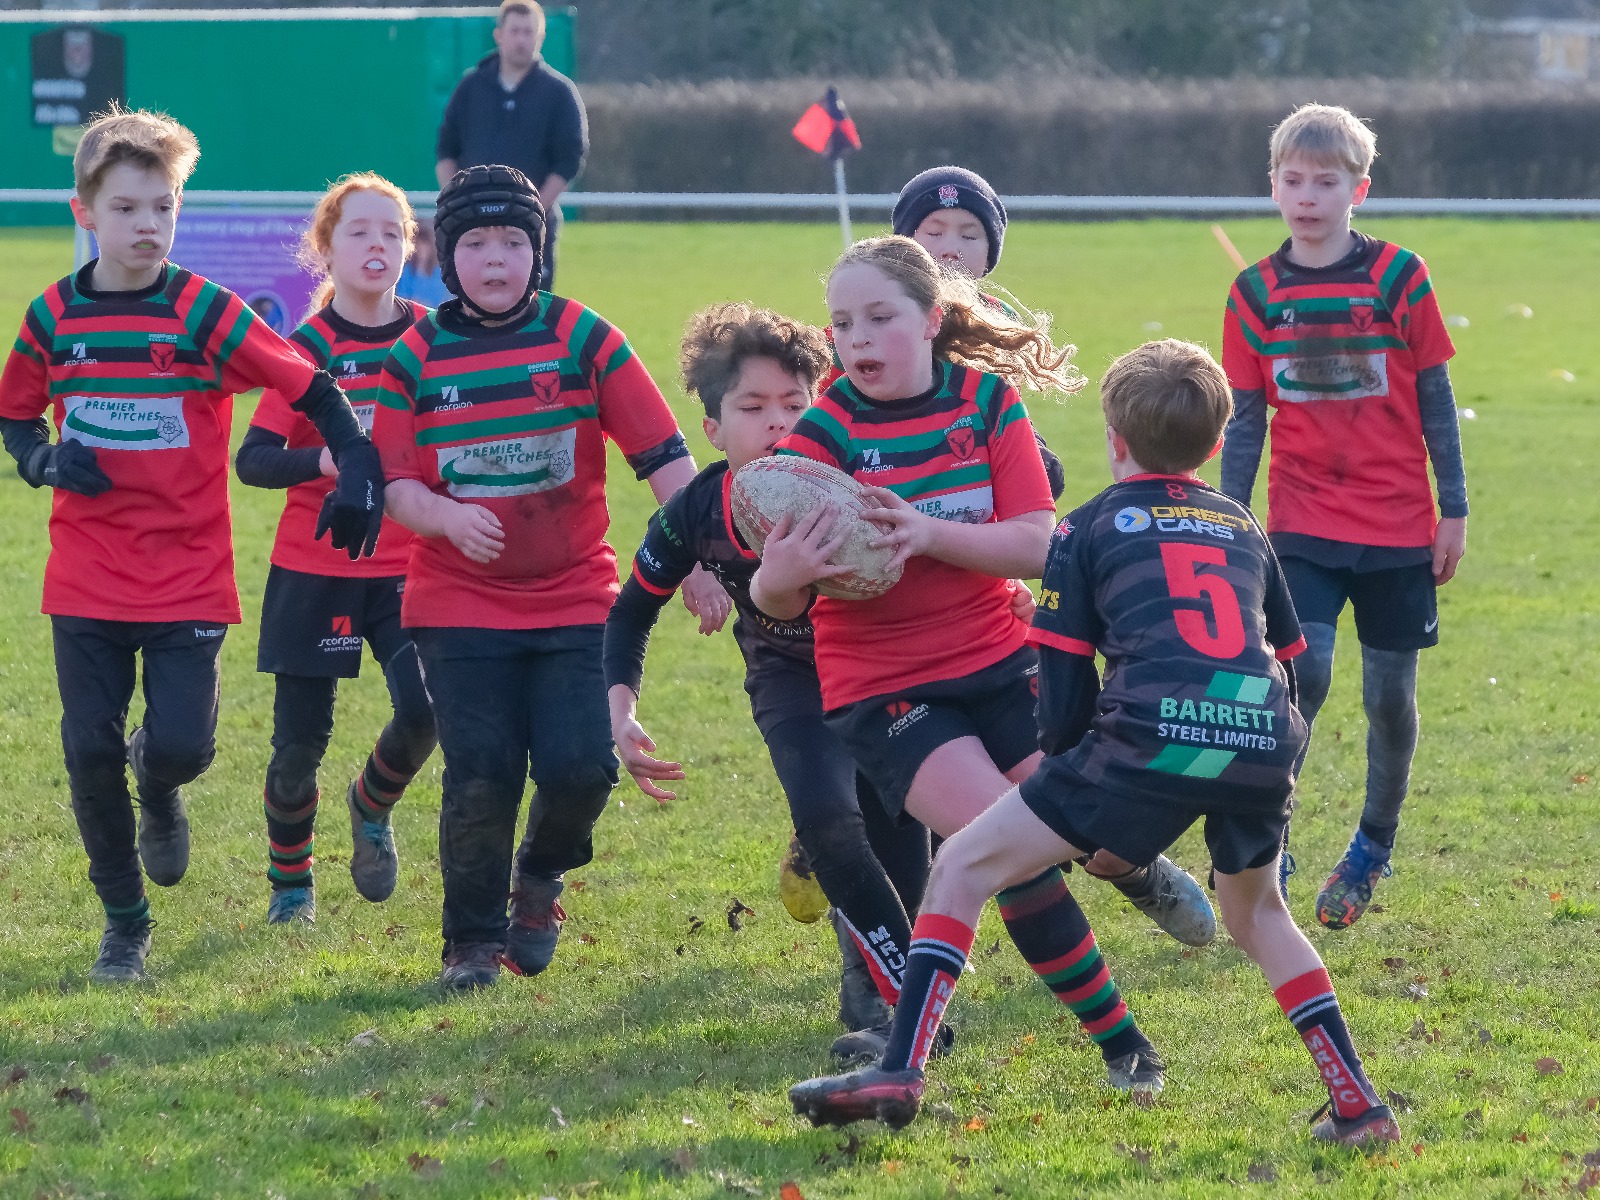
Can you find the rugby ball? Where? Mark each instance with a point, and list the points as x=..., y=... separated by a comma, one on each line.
x=767, y=489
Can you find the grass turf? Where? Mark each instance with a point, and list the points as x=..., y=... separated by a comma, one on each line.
x=652, y=1059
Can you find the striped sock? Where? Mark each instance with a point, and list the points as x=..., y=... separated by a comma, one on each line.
x=290, y=842
x=380, y=785
x=938, y=954
x=1054, y=937
x=1309, y=1003
x=128, y=916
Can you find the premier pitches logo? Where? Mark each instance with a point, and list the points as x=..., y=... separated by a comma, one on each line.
x=516, y=466
x=152, y=423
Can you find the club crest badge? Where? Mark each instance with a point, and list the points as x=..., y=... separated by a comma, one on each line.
x=546, y=388
x=961, y=441
x=163, y=354
x=1361, y=315
x=948, y=196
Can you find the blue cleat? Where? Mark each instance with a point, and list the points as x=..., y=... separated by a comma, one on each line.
x=292, y=904
x=1348, y=892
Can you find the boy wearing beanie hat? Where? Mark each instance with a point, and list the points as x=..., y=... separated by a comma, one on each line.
x=956, y=216
x=493, y=413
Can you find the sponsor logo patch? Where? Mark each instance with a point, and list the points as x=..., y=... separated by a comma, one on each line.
x=516, y=466
x=152, y=423
x=905, y=716
x=1332, y=377
x=1132, y=520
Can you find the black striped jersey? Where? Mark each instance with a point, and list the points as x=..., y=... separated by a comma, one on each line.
x=1337, y=350
x=354, y=355
x=1175, y=585
x=514, y=418
x=694, y=526
x=146, y=378
x=962, y=451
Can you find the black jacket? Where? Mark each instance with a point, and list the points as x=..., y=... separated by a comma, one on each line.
x=540, y=128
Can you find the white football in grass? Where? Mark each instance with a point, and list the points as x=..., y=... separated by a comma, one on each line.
x=768, y=489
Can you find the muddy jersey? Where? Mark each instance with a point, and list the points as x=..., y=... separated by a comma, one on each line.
x=146, y=378
x=1175, y=585
x=696, y=526
x=963, y=451
x=1337, y=350
x=514, y=418
x=353, y=355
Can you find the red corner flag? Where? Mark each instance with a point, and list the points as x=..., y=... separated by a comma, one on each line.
x=826, y=128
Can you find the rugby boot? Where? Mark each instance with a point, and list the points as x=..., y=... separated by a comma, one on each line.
x=1137, y=1071
x=469, y=966
x=123, y=949
x=1171, y=898
x=292, y=904
x=798, y=887
x=374, y=861
x=861, y=1005
x=1375, y=1125
x=163, y=824
x=867, y=1045
x=1348, y=891
x=535, y=923
x=868, y=1094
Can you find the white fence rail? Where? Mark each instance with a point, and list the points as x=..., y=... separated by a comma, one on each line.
x=819, y=202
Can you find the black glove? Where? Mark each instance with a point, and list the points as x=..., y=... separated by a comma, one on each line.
x=353, y=511
x=69, y=466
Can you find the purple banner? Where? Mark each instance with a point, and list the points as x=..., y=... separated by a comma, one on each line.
x=251, y=254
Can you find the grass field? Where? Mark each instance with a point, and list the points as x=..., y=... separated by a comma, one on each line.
x=652, y=1059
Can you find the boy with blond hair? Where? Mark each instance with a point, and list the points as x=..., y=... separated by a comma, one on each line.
x=1176, y=587
x=1340, y=334
x=138, y=361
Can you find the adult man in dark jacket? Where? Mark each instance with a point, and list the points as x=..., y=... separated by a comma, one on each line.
x=512, y=108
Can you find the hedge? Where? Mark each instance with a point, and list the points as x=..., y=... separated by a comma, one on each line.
x=1093, y=136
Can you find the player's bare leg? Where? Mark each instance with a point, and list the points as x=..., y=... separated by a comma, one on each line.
x=1259, y=923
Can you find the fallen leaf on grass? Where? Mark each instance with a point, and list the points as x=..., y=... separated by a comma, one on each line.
x=1589, y=1179
x=1262, y=1173
x=1395, y=964
x=16, y=1075
x=682, y=1161
x=21, y=1122
x=961, y=1160
x=790, y=1191
x=736, y=910
x=1416, y=1148
x=552, y=1155
x=1484, y=1036
x=497, y=1167
x=976, y=1125
x=444, y=1023
x=892, y=1167
x=1549, y=1066
x=436, y=1101
x=394, y=931
x=71, y=1095
x=1138, y=1153
x=1520, y=1138
x=587, y=939
x=1416, y=991
x=425, y=1165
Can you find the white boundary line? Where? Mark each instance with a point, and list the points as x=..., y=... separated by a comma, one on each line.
x=884, y=203
x=106, y=16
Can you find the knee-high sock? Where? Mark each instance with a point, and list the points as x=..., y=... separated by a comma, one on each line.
x=1054, y=936
x=1389, y=696
x=938, y=954
x=1309, y=1003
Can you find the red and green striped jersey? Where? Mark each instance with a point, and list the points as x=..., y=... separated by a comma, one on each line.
x=1337, y=350
x=514, y=418
x=354, y=355
x=147, y=379
x=963, y=451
